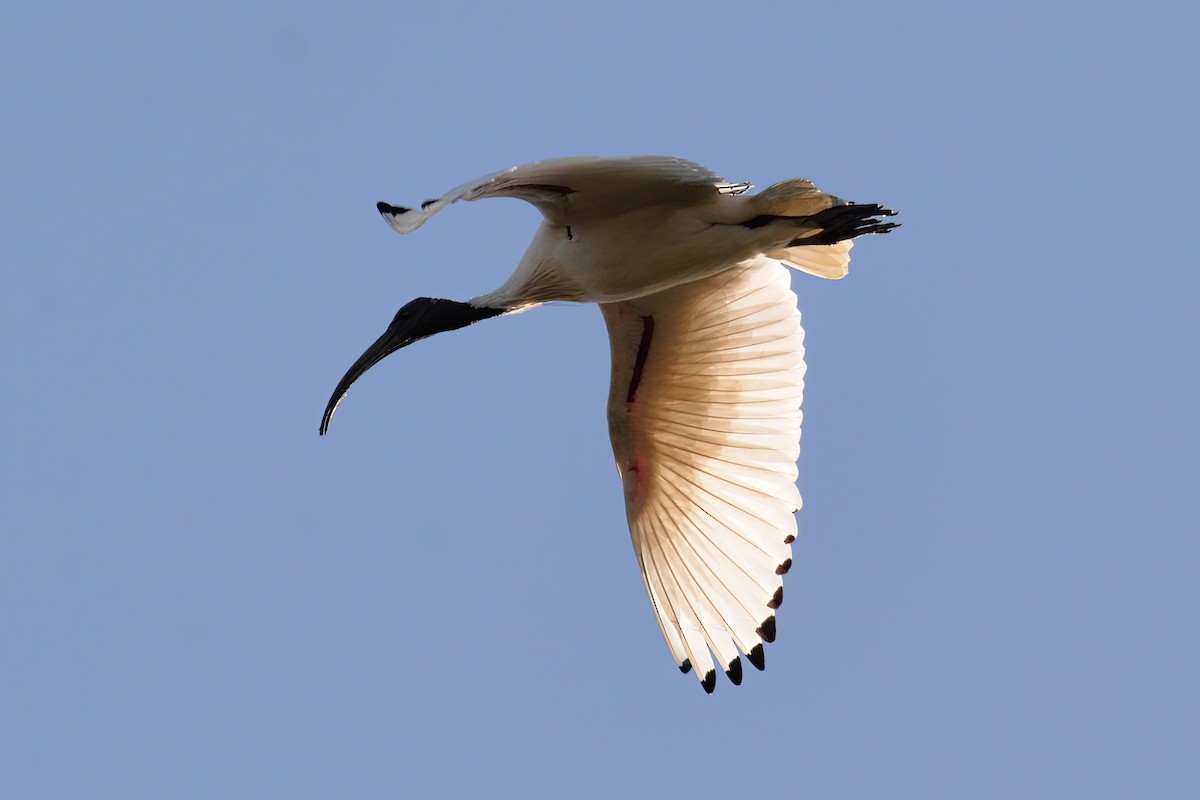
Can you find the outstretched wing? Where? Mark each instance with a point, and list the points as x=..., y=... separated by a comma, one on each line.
x=592, y=186
x=704, y=413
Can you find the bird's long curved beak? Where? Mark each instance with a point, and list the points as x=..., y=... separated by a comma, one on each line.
x=421, y=318
x=391, y=341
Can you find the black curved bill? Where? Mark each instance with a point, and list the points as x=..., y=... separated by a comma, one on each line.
x=421, y=318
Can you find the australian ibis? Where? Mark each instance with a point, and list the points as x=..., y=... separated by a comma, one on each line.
x=691, y=275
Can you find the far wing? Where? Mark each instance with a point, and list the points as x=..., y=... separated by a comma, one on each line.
x=704, y=412
x=592, y=186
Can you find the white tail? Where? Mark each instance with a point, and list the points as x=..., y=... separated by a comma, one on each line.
x=830, y=261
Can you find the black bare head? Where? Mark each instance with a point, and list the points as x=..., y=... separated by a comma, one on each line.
x=421, y=318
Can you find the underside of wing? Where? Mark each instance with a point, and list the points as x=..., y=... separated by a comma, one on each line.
x=704, y=412
x=589, y=185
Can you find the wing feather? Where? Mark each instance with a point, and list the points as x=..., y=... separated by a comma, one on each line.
x=591, y=185
x=707, y=450
x=663, y=610
x=730, y=566
x=681, y=615
x=702, y=596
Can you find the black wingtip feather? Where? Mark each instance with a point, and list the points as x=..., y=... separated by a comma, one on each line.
x=734, y=672
x=686, y=666
x=767, y=629
x=758, y=657
x=776, y=600
x=391, y=210
x=710, y=681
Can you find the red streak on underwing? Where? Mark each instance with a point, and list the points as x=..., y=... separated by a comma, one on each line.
x=640, y=363
x=640, y=479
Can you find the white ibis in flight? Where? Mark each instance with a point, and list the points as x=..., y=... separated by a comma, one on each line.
x=690, y=273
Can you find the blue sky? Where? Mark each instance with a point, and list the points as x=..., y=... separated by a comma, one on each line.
x=994, y=587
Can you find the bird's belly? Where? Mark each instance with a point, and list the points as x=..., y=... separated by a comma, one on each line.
x=612, y=262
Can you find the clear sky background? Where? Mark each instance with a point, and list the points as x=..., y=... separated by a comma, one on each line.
x=994, y=591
